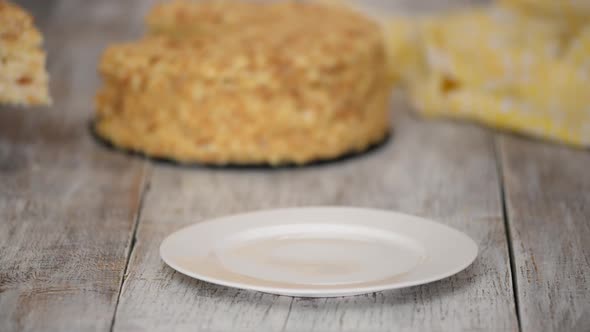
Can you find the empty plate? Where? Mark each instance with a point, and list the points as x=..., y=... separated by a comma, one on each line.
x=319, y=251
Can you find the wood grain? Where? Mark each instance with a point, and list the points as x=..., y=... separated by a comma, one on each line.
x=440, y=170
x=68, y=210
x=547, y=190
x=67, y=207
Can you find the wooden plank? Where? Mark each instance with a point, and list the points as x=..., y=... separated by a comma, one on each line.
x=67, y=207
x=441, y=170
x=547, y=189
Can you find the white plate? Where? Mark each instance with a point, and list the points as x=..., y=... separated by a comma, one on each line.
x=319, y=251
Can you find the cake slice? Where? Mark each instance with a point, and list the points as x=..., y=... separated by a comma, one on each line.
x=23, y=78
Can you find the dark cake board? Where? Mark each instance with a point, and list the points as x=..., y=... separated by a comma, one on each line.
x=263, y=166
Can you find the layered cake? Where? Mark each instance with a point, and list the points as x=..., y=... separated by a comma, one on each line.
x=23, y=79
x=247, y=83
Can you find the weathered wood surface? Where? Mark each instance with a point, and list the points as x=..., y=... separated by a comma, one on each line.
x=548, y=203
x=439, y=170
x=69, y=210
x=67, y=207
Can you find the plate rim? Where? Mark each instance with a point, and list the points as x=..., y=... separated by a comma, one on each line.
x=313, y=292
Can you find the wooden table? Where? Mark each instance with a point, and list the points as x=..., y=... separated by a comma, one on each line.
x=80, y=225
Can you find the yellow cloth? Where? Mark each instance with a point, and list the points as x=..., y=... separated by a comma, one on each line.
x=572, y=13
x=501, y=66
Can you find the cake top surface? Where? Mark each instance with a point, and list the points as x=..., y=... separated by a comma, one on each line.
x=233, y=16
x=237, y=34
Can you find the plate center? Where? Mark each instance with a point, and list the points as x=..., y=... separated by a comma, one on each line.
x=319, y=254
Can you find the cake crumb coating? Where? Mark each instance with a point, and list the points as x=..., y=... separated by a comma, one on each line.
x=225, y=82
x=23, y=78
